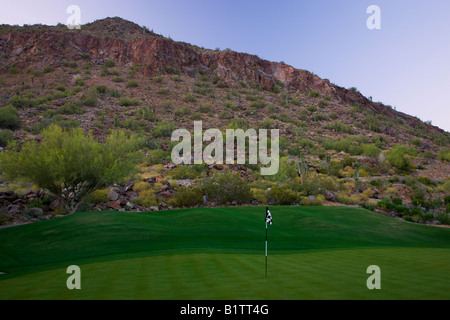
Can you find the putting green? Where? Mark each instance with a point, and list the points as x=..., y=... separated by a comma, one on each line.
x=314, y=253
x=339, y=274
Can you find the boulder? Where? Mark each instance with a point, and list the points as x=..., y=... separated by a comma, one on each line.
x=15, y=208
x=114, y=205
x=330, y=196
x=113, y=195
x=166, y=195
x=36, y=212
x=56, y=204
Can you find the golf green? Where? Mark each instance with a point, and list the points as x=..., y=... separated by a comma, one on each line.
x=314, y=253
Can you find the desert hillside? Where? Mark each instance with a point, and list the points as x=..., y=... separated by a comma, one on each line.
x=337, y=146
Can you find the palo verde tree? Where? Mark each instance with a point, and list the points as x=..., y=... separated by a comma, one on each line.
x=72, y=165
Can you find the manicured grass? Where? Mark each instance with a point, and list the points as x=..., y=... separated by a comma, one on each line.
x=314, y=253
x=406, y=273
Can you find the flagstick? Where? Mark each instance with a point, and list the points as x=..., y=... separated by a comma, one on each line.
x=266, y=249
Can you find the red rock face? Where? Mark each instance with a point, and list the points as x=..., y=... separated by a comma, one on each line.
x=155, y=54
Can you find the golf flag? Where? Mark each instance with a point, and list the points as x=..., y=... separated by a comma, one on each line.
x=268, y=216
x=268, y=221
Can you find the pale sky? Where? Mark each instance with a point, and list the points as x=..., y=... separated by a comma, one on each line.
x=405, y=64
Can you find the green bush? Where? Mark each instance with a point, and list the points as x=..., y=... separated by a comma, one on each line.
x=125, y=102
x=386, y=205
x=117, y=79
x=132, y=84
x=18, y=102
x=72, y=165
x=189, y=98
x=444, y=154
x=164, y=129
x=397, y=201
x=70, y=108
x=183, y=172
x=146, y=114
x=206, y=108
x=401, y=210
x=447, y=199
x=48, y=70
x=182, y=112
x=98, y=196
x=187, y=197
x=9, y=118
x=89, y=101
x=418, y=202
x=109, y=63
x=397, y=157
x=159, y=156
x=339, y=127
x=6, y=136
x=101, y=89
x=281, y=195
x=443, y=218
x=371, y=150
x=226, y=187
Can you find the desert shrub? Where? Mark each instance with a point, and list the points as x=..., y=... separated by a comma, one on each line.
x=131, y=124
x=146, y=199
x=146, y=113
x=187, y=97
x=61, y=87
x=339, y=127
x=348, y=200
x=132, y=84
x=259, y=195
x=79, y=82
x=70, y=108
x=267, y=123
x=206, y=108
x=89, y=101
x=183, y=172
x=386, y=205
x=397, y=157
x=117, y=79
x=70, y=64
x=48, y=69
x=443, y=218
x=182, y=112
x=401, y=210
x=109, y=63
x=19, y=102
x=318, y=117
x=397, y=201
x=98, y=196
x=225, y=187
x=314, y=94
x=126, y=102
x=159, y=156
x=187, y=197
x=281, y=195
x=9, y=118
x=72, y=165
x=447, y=199
x=444, y=154
x=371, y=150
x=418, y=202
x=258, y=104
x=164, y=129
x=238, y=123
x=287, y=169
x=6, y=136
